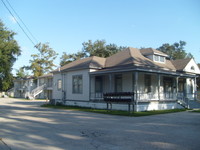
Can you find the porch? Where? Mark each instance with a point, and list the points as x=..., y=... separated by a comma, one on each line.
x=146, y=86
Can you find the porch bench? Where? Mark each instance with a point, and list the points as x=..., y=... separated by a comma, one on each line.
x=119, y=97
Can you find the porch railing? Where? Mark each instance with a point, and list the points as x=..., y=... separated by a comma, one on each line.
x=98, y=96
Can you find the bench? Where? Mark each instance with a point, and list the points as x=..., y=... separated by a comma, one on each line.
x=119, y=97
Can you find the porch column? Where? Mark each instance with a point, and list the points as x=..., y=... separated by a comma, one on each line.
x=195, y=88
x=177, y=88
x=136, y=90
x=110, y=83
x=186, y=88
x=158, y=76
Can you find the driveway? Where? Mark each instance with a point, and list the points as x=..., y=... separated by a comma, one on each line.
x=26, y=126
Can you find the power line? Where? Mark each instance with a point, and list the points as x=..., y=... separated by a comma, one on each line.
x=19, y=24
x=22, y=21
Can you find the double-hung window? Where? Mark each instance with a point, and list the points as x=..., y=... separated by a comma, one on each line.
x=77, y=82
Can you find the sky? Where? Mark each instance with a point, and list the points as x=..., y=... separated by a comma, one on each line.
x=66, y=24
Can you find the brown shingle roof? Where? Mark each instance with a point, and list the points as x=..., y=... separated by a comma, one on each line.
x=90, y=62
x=130, y=57
x=151, y=51
x=133, y=57
x=180, y=64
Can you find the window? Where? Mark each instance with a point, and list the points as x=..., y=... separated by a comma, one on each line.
x=159, y=58
x=59, y=84
x=77, y=84
x=162, y=59
x=192, y=68
x=118, y=83
x=147, y=83
x=156, y=57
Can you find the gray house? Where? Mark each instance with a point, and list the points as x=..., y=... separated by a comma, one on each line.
x=157, y=82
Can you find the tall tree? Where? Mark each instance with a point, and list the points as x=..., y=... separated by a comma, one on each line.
x=100, y=48
x=175, y=51
x=97, y=48
x=42, y=62
x=9, y=51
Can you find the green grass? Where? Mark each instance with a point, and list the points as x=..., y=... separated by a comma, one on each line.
x=197, y=111
x=114, y=112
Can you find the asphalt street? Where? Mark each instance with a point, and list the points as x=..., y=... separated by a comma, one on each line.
x=24, y=125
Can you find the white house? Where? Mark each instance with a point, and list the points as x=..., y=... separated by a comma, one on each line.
x=24, y=86
x=31, y=88
x=157, y=82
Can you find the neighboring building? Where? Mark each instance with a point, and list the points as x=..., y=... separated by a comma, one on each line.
x=198, y=85
x=32, y=88
x=24, y=86
x=47, y=82
x=156, y=81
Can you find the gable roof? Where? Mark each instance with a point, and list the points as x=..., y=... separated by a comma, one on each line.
x=85, y=63
x=180, y=64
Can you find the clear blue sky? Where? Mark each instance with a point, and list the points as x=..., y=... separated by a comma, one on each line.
x=66, y=24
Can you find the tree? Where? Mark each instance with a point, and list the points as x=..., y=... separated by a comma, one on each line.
x=42, y=62
x=97, y=48
x=67, y=58
x=9, y=51
x=21, y=72
x=175, y=51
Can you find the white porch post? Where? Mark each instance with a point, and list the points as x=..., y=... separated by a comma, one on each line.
x=158, y=76
x=136, y=90
x=110, y=83
x=177, y=88
x=195, y=88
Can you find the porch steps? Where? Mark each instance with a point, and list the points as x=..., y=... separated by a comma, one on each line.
x=36, y=91
x=182, y=103
x=192, y=104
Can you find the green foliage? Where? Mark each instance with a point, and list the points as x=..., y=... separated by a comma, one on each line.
x=97, y=48
x=9, y=51
x=21, y=72
x=42, y=62
x=175, y=51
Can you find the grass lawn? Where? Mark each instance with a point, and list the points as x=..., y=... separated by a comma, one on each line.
x=114, y=112
x=197, y=111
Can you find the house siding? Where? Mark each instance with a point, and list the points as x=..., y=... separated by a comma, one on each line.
x=86, y=86
x=57, y=94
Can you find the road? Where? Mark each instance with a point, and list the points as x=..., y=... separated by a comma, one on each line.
x=24, y=125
